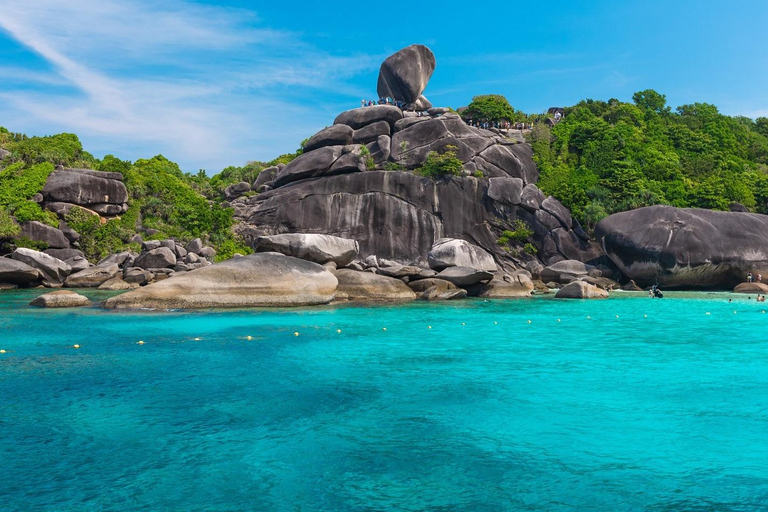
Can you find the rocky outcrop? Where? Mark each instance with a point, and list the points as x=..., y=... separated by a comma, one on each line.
x=17, y=272
x=162, y=257
x=436, y=289
x=404, y=75
x=117, y=284
x=464, y=276
x=264, y=279
x=102, y=192
x=504, y=287
x=53, y=270
x=452, y=252
x=366, y=286
x=336, y=135
x=312, y=247
x=686, y=247
x=753, y=288
x=236, y=190
x=40, y=232
x=61, y=299
x=581, y=290
x=565, y=271
x=92, y=277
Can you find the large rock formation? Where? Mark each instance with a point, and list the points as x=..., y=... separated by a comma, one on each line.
x=318, y=248
x=686, y=248
x=17, y=272
x=264, y=279
x=102, y=192
x=451, y=252
x=61, y=299
x=404, y=75
x=53, y=270
x=365, y=286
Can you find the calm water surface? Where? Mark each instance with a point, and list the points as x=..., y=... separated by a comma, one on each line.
x=645, y=405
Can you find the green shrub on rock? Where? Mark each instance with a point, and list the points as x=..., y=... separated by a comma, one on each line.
x=30, y=210
x=438, y=165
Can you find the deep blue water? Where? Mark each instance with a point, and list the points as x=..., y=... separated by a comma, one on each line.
x=661, y=408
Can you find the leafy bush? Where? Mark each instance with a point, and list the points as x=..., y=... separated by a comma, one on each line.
x=19, y=183
x=438, y=165
x=8, y=228
x=521, y=233
x=393, y=166
x=30, y=210
x=28, y=243
x=62, y=149
x=491, y=108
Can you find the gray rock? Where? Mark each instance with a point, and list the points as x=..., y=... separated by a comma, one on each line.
x=16, y=272
x=436, y=289
x=236, y=190
x=117, y=284
x=404, y=75
x=571, y=267
x=191, y=258
x=265, y=176
x=365, y=286
x=78, y=263
x=359, y=117
x=309, y=165
x=380, y=150
x=581, y=290
x=400, y=271
x=61, y=299
x=686, y=247
x=371, y=132
x=506, y=190
x=121, y=259
x=453, y=252
x=504, y=287
x=311, y=247
x=464, y=276
x=336, y=135
x=65, y=254
x=513, y=160
x=109, y=210
x=92, y=277
x=139, y=276
x=195, y=245
x=531, y=198
x=85, y=187
x=557, y=209
x=264, y=279
x=40, y=232
x=207, y=252
x=149, y=245
x=162, y=257
x=53, y=270
x=70, y=234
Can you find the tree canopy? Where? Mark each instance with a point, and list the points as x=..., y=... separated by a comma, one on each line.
x=491, y=108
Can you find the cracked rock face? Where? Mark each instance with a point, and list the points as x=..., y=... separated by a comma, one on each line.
x=404, y=75
x=686, y=247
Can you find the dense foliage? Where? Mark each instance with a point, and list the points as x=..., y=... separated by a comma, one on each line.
x=163, y=201
x=491, y=108
x=605, y=157
x=438, y=165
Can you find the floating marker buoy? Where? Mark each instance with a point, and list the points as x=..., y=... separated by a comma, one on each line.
x=558, y=319
x=529, y=321
x=296, y=334
x=139, y=342
x=645, y=316
x=734, y=312
x=75, y=346
x=383, y=328
x=462, y=323
x=338, y=331
x=2, y=351
x=249, y=338
x=197, y=339
x=429, y=327
x=589, y=318
x=708, y=313
x=617, y=316
x=495, y=323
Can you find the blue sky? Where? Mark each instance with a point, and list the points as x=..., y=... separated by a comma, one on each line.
x=212, y=84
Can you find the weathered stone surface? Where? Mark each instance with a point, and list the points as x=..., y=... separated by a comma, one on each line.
x=631, y=286
x=264, y=279
x=404, y=75
x=400, y=271
x=162, y=257
x=121, y=259
x=117, y=284
x=61, y=299
x=135, y=275
x=195, y=245
x=453, y=252
x=85, y=187
x=380, y=150
x=514, y=160
x=17, y=272
x=504, y=287
x=581, y=290
x=53, y=270
x=149, y=245
x=686, y=247
x=359, y=117
x=531, y=198
x=506, y=190
x=92, y=277
x=336, y=135
x=309, y=165
x=572, y=267
x=78, y=263
x=236, y=190
x=265, y=176
x=109, y=210
x=65, y=254
x=311, y=247
x=753, y=288
x=557, y=209
x=40, y=232
x=433, y=289
x=371, y=132
x=207, y=252
x=464, y=276
x=70, y=234
x=365, y=286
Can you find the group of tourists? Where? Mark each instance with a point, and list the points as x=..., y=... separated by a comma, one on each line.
x=757, y=278
x=383, y=101
x=655, y=292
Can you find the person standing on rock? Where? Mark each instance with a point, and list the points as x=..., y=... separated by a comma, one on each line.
x=749, y=277
x=759, y=277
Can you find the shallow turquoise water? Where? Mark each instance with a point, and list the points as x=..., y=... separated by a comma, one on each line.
x=662, y=408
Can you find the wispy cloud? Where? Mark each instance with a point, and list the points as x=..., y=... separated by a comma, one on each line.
x=193, y=82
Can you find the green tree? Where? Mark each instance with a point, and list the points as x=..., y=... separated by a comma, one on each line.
x=491, y=108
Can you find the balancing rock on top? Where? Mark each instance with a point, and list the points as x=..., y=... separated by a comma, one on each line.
x=404, y=75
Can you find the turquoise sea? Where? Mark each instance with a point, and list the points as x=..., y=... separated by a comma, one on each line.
x=622, y=404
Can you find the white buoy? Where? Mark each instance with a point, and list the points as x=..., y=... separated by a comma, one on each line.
x=2, y=351
x=338, y=331
x=75, y=346
x=296, y=334
x=249, y=338
x=139, y=342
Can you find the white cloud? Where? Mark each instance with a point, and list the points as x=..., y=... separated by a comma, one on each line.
x=196, y=83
